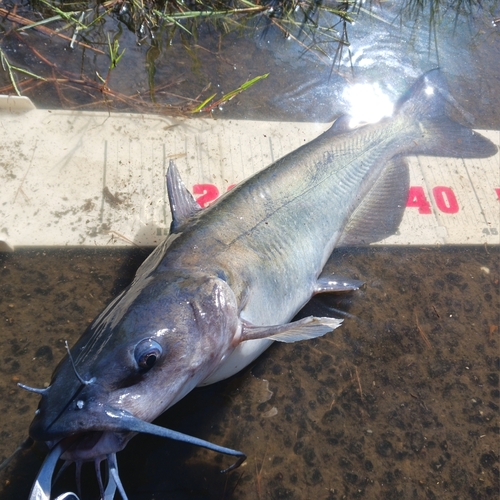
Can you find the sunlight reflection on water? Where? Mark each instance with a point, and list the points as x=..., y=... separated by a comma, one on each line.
x=367, y=103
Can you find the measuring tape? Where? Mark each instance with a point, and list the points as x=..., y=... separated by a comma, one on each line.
x=73, y=178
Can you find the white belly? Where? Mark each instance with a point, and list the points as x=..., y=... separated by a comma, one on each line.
x=242, y=356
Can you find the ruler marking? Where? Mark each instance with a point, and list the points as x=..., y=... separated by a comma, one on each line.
x=104, y=171
x=271, y=149
x=164, y=184
x=475, y=192
x=20, y=188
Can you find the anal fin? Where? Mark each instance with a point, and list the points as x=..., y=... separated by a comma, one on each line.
x=380, y=212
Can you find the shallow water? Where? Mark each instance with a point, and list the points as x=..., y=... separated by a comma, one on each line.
x=308, y=69
x=401, y=402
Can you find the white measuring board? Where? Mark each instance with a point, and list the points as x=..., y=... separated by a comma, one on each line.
x=73, y=178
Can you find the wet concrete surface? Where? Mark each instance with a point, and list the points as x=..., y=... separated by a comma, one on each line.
x=401, y=402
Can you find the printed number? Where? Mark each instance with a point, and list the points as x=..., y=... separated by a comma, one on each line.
x=444, y=197
x=490, y=230
x=208, y=193
x=417, y=199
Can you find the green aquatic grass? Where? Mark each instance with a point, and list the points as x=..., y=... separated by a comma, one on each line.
x=144, y=17
x=114, y=53
x=11, y=70
x=205, y=106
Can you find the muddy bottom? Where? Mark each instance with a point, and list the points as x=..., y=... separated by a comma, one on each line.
x=400, y=402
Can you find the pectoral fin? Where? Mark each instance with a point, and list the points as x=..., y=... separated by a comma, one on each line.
x=303, y=329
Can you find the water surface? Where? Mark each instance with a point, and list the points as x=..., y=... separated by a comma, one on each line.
x=400, y=402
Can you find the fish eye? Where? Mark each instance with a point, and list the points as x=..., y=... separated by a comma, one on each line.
x=146, y=353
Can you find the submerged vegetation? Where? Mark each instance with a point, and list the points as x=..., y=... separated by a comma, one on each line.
x=146, y=18
x=105, y=30
x=99, y=28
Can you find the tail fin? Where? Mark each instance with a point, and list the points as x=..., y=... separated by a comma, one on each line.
x=425, y=103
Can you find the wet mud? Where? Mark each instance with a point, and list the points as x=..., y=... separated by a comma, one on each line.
x=401, y=402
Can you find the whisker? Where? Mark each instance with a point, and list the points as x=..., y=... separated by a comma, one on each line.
x=27, y=443
x=43, y=484
x=78, y=376
x=78, y=476
x=42, y=392
x=113, y=475
x=64, y=466
x=97, y=464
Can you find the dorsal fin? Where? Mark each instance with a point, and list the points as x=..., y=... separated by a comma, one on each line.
x=341, y=125
x=182, y=203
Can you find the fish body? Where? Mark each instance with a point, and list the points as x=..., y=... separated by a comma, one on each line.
x=228, y=279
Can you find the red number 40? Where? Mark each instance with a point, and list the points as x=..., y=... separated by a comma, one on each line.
x=444, y=197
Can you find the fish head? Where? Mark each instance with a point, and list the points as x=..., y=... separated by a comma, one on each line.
x=146, y=351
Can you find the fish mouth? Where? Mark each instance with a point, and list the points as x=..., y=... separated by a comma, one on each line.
x=93, y=445
x=98, y=445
